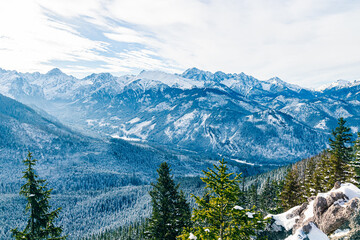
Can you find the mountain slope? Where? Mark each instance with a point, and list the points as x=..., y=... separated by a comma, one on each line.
x=234, y=115
x=98, y=183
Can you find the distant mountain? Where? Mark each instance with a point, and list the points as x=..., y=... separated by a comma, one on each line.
x=212, y=114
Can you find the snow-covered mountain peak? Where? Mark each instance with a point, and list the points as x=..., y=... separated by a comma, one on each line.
x=55, y=72
x=100, y=77
x=197, y=74
x=275, y=80
x=168, y=79
x=337, y=84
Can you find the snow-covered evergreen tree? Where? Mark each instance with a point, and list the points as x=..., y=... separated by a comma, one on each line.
x=340, y=169
x=40, y=224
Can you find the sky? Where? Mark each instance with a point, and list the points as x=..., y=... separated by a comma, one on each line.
x=309, y=43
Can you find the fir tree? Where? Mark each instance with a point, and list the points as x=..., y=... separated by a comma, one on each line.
x=171, y=212
x=269, y=196
x=355, y=164
x=310, y=180
x=218, y=216
x=277, y=199
x=253, y=195
x=183, y=213
x=291, y=193
x=321, y=175
x=339, y=169
x=41, y=222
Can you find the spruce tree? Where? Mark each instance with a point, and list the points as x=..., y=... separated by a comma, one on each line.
x=217, y=215
x=253, y=194
x=310, y=180
x=170, y=211
x=340, y=158
x=269, y=196
x=40, y=224
x=321, y=175
x=277, y=197
x=291, y=192
x=355, y=164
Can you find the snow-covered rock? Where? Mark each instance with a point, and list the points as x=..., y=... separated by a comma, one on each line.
x=323, y=215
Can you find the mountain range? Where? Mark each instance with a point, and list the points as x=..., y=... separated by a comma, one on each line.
x=210, y=114
x=233, y=115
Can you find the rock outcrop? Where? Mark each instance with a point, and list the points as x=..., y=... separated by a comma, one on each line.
x=325, y=213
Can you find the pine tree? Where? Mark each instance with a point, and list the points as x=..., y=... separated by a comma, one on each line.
x=218, y=216
x=291, y=193
x=253, y=195
x=340, y=158
x=355, y=164
x=277, y=197
x=310, y=180
x=321, y=174
x=269, y=195
x=41, y=222
x=171, y=212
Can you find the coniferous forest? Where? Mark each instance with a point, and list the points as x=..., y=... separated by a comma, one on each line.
x=219, y=205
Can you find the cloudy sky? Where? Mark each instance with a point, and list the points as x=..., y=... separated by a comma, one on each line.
x=305, y=42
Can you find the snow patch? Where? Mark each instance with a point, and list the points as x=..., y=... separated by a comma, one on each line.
x=314, y=234
x=184, y=122
x=238, y=208
x=134, y=120
x=282, y=220
x=309, y=213
x=242, y=161
x=340, y=233
x=349, y=189
x=192, y=237
x=321, y=125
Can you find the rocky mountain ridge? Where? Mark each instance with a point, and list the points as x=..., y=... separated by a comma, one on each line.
x=233, y=115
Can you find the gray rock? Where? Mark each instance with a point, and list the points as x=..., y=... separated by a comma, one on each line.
x=307, y=228
x=300, y=210
x=320, y=206
x=336, y=215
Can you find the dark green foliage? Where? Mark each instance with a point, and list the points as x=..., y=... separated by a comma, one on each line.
x=291, y=192
x=339, y=169
x=319, y=173
x=270, y=197
x=253, y=196
x=171, y=212
x=218, y=215
x=40, y=224
x=355, y=164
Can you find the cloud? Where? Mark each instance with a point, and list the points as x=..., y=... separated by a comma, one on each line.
x=31, y=39
x=304, y=42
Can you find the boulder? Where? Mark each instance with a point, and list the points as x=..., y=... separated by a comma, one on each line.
x=336, y=215
x=325, y=213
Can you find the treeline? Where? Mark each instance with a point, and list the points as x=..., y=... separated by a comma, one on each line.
x=319, y=174
x=223, y=205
